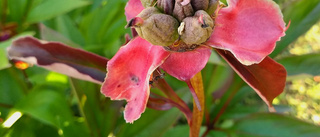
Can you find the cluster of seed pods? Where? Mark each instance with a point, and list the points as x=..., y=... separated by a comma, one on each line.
x=178, y=25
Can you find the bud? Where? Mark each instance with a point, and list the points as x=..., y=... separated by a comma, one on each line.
x=157, y=28
x=200, y=4
x=166, y=6
x=197, y=29
x=182, y=9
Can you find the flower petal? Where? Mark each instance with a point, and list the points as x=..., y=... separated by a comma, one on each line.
x=60, y=58
x=268, y=78
x=132, y=9
x=129, y=73
x=184, y=65
x=249, y=29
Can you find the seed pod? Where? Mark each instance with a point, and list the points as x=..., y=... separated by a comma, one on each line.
x=213, y=5
x=157, y=28
x=200, y=4
x=181, y=11
x=166, y=6
x=197, y=29
x=148, y=3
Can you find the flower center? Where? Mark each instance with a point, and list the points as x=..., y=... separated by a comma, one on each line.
x=178, y=25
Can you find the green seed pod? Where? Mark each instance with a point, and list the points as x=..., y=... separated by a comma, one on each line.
x=213, y=5
x=148, y=3
x=157, y=28
x=196, y=29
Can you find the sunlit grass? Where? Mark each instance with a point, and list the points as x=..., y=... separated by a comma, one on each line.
x=308, y=43
x=303, y=94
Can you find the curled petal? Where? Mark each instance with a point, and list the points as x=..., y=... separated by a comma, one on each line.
x=184, y=65
x=249, y=29
x=129, y=73
x=60, y=58
x=133, y=8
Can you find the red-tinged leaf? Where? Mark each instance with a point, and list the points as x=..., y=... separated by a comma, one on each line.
x=267, y=78
x=133, y=8
x=60, y=58
x=184, y=65
x=129, y=73
x=160, y=103
x=249, y=29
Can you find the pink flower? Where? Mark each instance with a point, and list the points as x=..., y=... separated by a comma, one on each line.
x=247, y=28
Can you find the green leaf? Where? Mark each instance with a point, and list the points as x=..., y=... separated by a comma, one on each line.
x=303, y=15
x=4, y=63
x=152, y=123
x=29, y=127
x=303, y=64
x=273, y=125
x=50, y=107
x=68, y=28
x=17, y=10
x=49, y=34
x=215, y=133
x=12, y=89
x=11, y=86
x=102, y=32
x=47, y=106
x=51, y=8
x=99, y=114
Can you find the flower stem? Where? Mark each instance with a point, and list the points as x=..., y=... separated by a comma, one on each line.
x=169, y=92
x=234, y=88
x=197, y=115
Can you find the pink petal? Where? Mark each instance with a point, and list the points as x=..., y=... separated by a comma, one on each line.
x=129, y=73
x=132, y=9
x=249, y=29
x=184, y=65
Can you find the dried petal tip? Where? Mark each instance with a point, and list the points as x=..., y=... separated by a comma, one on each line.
x=137, y=21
